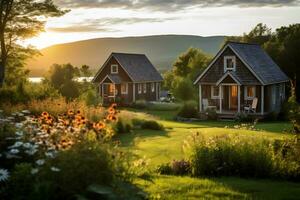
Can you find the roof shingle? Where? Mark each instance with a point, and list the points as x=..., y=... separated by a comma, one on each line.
x=260, y=62
x=138, y=67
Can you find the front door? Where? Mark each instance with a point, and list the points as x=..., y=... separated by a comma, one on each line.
x=233, y=97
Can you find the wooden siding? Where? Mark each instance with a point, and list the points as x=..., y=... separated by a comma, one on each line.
x=216, y=71
x=106, y=70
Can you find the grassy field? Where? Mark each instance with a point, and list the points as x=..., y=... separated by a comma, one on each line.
x=164, y=146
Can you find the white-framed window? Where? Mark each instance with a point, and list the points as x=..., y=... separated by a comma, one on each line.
x=139, y=88
x=124, y=88
x=152, y=87
x=215, y=92
x=145, y=87
x=114, y=69
x=250, y=92
x=229, y=63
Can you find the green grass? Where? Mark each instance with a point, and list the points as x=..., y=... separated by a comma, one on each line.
x=164, y=146
x=172, y=187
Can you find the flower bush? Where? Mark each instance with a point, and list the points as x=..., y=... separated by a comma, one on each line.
x=59, y=156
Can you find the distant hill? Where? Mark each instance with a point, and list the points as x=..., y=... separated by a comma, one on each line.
x=162, y=50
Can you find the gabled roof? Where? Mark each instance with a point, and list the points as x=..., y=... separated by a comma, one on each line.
x=114, y=78
x=137, y=66
x=257, y=60
x=232, y=75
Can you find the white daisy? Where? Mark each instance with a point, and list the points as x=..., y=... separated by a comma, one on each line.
x=31, y=151
x=49, y=154
x=40, y=161
x=34, y=170
x=26, y=111
x=55, y=169
x=19, y=133
x=4, y=175
x=18, y=125
x=14, y=151
x=27, y=145
x=16, y=145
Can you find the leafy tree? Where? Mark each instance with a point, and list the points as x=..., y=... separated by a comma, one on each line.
x=284, y=47
x=62, y=78
x=184, y=89
x=19, y=20
x=260, y=34
x=185, y=69
x=190, y=63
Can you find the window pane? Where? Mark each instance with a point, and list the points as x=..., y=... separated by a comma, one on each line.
x=216, y=91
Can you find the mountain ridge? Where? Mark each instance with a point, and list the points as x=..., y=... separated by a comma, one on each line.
x=162, y=50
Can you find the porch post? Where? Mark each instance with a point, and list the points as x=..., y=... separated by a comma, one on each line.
x=262, y=99
x=220, y=97
x=200, y=98
x=156, y=89
x=133, y=93
x=239, y=98
x=102, y=93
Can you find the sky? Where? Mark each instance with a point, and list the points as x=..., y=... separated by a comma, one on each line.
x=120, y=18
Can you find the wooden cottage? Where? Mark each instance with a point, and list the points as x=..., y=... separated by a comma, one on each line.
x=125, y=78
x=241, y=78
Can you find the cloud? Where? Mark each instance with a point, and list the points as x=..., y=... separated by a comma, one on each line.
x=170, y=5
x=104, y=24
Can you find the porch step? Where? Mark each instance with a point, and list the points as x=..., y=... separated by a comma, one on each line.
x=226, y=117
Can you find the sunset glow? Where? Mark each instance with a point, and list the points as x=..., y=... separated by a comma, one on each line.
x=86, y=23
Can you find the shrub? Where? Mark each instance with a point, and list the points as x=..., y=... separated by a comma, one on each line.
x=140, y=104
x=122, y=126
x=244, y=117
x=84, y=164
x=245, y=156
x=188, y=110
x=91, y=98
x=177, y=167
x=211, y=114
x=164, y=169
x=159, y=106
x=151, y=124
x=180, y=167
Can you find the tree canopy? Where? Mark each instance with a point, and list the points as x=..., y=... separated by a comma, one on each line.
x=185, y=69
x=20, y=20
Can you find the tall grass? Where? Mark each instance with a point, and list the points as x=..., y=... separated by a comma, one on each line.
x=244, y=156
x=55, y=107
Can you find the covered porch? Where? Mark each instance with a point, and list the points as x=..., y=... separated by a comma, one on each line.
x=228, y=96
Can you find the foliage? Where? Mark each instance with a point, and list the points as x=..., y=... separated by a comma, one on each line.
x=294, y=111
x=123, y=125
x=24, y=92
x=211, y=114
x=161, y=106
x=62, y=156
x=244, y=117
x=184, y=89
x=185, y=69
x=188, y=110
x=21, y=20
x=243, y=156
x=164, y=168
x=90, y=97
x=152, y=125
x=140, y=104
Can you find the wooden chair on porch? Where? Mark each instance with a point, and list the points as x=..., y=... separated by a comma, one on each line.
x=207, y=106
x=252, y=107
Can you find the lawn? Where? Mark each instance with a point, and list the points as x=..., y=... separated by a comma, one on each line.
x=164, y=146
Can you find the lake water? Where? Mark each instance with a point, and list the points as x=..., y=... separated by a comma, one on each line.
x=40, y=79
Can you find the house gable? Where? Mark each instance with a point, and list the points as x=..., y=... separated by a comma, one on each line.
x=215, y=70
x=106, y=70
